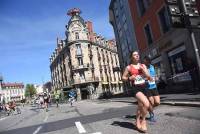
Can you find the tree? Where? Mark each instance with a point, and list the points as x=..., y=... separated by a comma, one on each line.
x=30, y=90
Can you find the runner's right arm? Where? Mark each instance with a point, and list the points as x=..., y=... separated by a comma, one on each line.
x=125, y=76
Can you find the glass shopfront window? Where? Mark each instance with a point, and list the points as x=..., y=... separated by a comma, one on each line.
x=176, y=58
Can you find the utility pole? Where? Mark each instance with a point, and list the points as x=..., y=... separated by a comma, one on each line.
x=187, y=14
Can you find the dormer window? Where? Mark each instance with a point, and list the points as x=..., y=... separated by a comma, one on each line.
x=76, y=35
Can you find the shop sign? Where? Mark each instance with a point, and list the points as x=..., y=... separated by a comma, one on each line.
x=182, y=77
x=176, y=50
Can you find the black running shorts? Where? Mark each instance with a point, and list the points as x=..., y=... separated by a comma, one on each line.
x=151, y=92
x=46, y=100
x=139, y=88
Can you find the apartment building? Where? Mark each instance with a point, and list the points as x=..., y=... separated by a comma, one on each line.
x=13, y=91
x=167, y=46
x=85, y=61
x=121, y=20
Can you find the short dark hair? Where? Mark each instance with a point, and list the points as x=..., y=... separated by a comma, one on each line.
x=130, y=56
x=147, y=59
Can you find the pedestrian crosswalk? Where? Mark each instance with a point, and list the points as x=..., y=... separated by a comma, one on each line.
x=81, y=129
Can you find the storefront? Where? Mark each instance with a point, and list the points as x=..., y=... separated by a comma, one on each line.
x=178, y=68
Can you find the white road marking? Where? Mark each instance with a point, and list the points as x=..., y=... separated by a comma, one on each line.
x=45, y=119
x=97, y=133
x=37, y=130
x=3, y=118
x=80, y=128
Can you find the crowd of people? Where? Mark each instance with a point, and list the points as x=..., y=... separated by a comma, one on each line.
x=10, y=108
x=44, y=100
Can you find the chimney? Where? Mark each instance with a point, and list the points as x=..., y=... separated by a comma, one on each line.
x=90, y=30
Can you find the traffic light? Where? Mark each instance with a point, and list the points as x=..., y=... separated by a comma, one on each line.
x=175, y=13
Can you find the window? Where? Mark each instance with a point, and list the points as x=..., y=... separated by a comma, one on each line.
x=121, y=3
x=148, y=33
x=141, y=7
x=147, y=3
x=116, y=13
x=80, y=61
x=78, y=50
x=164, y=20
x=115, y=5
x=124, y=18
x=119, y=26
x=88, y=37
x=76, y=36
x=89, y=46
x=125, y=27
x=82, y=76
x=120, y=33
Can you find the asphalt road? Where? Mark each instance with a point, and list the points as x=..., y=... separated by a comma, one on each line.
x=99, y=118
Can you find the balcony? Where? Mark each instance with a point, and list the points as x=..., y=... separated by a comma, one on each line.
x=85, y=81
x=80, y=67
x=79, y=55
x=116, y=69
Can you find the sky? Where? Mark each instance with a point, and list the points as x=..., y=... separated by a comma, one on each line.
x=28, y=32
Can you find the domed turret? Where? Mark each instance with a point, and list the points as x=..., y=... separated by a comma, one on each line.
x=76, y=28
x=74, y=11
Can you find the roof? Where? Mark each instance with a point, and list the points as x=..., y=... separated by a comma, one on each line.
x=12, y=85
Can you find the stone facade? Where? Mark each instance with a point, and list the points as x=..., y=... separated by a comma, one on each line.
x=85, y=61
x=12, y=91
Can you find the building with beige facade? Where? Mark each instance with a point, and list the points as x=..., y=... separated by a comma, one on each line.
x=12, y=91
x=85, y=61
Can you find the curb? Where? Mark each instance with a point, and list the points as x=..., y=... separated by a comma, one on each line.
x=171, y=103
x=189, y=104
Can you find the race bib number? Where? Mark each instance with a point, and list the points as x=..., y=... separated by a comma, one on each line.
x=139, y=80
x=152, y=82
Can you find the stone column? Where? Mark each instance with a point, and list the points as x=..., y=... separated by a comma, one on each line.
x=78, y=91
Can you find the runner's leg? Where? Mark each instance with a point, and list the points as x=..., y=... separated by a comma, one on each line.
x=144, y=108
x=156, y=100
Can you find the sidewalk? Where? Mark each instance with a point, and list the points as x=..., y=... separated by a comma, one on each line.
x=184, y=99
x=187, y=99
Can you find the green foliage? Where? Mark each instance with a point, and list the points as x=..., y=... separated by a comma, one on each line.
x=30, y=90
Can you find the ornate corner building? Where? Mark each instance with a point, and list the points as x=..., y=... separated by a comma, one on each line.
x=85, y=61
